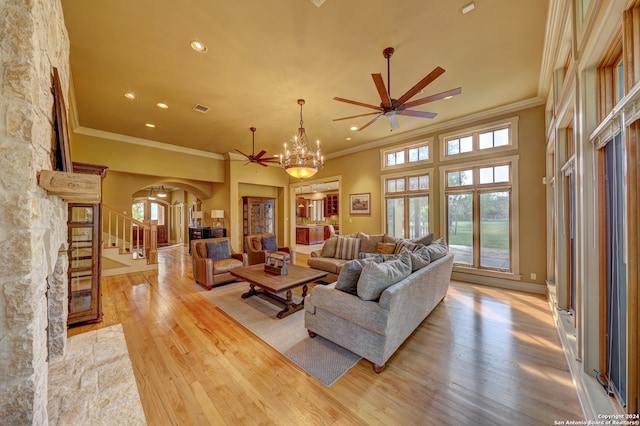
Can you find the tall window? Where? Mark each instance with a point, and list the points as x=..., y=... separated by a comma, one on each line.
x=407, y=205
x=479, y=215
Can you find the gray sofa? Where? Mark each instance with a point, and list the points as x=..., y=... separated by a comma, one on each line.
x=375, y=329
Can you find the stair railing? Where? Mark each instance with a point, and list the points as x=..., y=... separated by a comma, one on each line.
x=130, y=235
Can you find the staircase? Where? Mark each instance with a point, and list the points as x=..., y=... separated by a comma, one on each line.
x=128, y=245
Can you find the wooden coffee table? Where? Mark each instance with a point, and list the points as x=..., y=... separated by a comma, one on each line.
x=271, y=285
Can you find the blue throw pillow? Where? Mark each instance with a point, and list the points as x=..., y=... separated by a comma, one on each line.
x=269, y=243
x=218, y=250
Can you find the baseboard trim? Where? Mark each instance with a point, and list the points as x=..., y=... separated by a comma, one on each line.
x=498, y=282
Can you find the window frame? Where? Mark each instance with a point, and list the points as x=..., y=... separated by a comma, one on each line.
x=406, y=194
x=511, y=123
x=477, y=188
x=428, y=142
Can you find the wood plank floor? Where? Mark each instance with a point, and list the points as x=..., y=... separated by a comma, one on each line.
x=483, y=356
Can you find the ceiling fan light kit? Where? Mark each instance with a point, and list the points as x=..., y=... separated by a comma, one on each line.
x=390, y=107
x=299, y=161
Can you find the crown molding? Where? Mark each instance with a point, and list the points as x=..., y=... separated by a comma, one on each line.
x=445, y=125
x=145, y=142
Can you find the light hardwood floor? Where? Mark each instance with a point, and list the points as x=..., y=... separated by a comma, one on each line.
x=484, y=356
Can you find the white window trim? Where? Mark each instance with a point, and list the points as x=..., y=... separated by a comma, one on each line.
x=383, y=199
x=406, y=146
x=512, y=122
x=514, y=274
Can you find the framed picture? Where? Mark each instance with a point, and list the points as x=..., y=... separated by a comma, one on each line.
x=360, y=203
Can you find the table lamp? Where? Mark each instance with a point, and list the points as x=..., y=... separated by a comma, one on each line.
x=217, y=214
x=197, y=215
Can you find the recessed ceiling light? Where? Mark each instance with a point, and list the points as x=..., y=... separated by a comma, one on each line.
x=468, y=8
x=347, y=139
x=198, y=46
x=354, y=128
x=162, y=105
x=130, y=95
x=150, y=125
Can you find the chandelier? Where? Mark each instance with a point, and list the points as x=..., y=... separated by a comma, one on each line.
x=300, y=161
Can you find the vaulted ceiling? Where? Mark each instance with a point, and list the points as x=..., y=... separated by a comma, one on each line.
x=264, y=55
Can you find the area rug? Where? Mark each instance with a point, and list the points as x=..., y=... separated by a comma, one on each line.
x=322, y=359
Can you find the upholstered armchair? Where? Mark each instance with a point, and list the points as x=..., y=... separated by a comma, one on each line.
x=256, y=246
x=212, y=259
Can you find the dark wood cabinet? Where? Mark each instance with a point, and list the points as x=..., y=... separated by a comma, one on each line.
x=198, y=233
x=84, y=252
x=331, y=205
x=258, y=215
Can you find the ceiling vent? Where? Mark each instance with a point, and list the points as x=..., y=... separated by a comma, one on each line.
x=200, y=108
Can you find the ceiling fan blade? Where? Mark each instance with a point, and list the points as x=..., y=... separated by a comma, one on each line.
x=269, y=160
x=261, y=163
x=417, y=113
x=355, y=116
x=237, y=150
x=382, y=90
x=436, y=97
x=371, y=122
x=393, y=121
x=421, y=85
x=357, y=103
x=260, y=154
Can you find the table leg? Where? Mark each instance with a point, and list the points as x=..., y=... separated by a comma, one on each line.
x=252, y=291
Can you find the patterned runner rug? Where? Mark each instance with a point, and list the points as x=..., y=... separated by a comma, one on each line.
x=322, y=359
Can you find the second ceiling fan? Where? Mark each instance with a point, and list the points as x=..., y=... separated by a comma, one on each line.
x=391, y=107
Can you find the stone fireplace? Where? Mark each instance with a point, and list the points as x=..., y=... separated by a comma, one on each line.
x=33, y=232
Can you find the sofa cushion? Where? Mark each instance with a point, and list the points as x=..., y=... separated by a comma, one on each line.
x=269, y=243
x=225, y=265
x=329, y=264
x=426, y=240
x=438, y=249
x=347, y=248
x=385, y=248
x=329, y=247
x=419, y=258
x=350, y=273
x=368, y=242
x=218, y=250
x=377, y=277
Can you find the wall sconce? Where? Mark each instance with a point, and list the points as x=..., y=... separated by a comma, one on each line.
x=217, y=214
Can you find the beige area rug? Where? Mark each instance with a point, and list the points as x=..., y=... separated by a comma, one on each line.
x=322, y=359
x=93, y=383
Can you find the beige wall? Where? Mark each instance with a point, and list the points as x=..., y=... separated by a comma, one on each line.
x=532, y=204
x=145, y=160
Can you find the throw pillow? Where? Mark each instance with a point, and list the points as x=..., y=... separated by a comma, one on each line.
x=419, y=258
x=406, y=244
x=269, y=243
x=377, y=277
x=347, y=248
x=390, y=239
x=426, y=240
x=350, y=273
x=368, y=242
x=385, y=248
x=438, y=249
x=218, y=250
x=329, y=247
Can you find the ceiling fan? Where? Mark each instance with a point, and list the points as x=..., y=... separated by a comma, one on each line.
x=391, y=107
x=253, y=158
